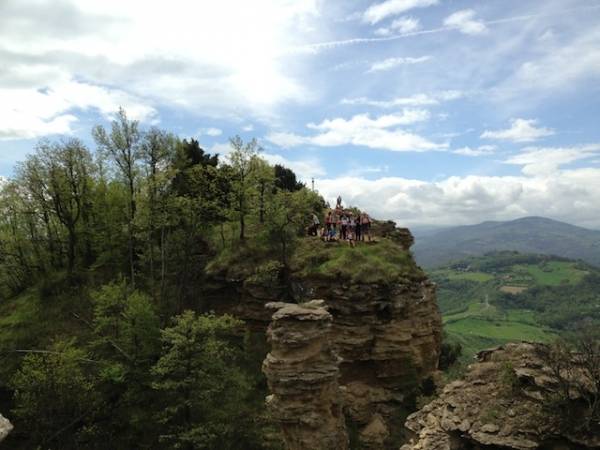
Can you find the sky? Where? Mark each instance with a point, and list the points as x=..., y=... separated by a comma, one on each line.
x=427, y=112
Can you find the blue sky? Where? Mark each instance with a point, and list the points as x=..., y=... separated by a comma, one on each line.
x=428, y=112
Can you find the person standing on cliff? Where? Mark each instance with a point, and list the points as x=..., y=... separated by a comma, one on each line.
x=339, y=202
x=358, y=227
x=365, y=223
x=315, y=225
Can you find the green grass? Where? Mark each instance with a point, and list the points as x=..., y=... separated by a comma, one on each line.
x=479, y=277
x=553, y=273
x=31, y=321
x=380, y=262
x=499, y=329
x=481, y=326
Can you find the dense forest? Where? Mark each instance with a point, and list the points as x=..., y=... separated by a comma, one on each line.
x=104, y=339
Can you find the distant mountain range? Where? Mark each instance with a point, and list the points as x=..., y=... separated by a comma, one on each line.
x=526, y=235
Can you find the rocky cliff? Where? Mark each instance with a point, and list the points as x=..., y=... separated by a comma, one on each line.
x=498, y=404
x=385, y=327
x=5, y=427
x=303, y=372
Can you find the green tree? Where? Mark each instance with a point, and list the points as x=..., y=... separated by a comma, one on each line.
x=126, y=323
x=243, y=165
x=54, y=395
x=288, y=215
x=67, y=166
x=122, y=145
x=285, y=179
x=202, y=386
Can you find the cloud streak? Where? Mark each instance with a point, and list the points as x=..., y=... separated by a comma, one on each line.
x=381, y=133
x=390, y=63
x=521, y=130
x=465, y=22
x=380, y=11
x=330, y=45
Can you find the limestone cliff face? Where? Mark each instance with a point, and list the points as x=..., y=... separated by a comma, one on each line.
x=386, y=324
x=5, y=427
x=302, y=372
x=388, y=338
x=481, y=412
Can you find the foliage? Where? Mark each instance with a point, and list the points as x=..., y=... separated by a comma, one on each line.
x=285, y=179
x=107, y=245
x=450, y=352
x=203, y=389
x=574, y=365
x=383, y=263
x=556, y=295
x=54, y=394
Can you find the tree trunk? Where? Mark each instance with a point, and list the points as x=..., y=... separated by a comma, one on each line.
x=71, y=249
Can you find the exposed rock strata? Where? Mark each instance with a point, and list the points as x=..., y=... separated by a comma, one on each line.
x=302, y=372
x=389, y=340
x=388, y=334
x=5, y=427
x=481, y=412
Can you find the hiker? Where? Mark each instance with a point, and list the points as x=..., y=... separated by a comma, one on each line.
x=331, y=234
x=365, y=224
x=328, y=220
x=358, y=228
x=339, y=202
x=314, y=228
x=343, y=226
x=350, y=237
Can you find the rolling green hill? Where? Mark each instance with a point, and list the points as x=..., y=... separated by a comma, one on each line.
x=527, y=235
x=508, y=296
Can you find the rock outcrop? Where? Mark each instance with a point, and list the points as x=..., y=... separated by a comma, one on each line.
x=386, y=324
x=484, y=411
x=388, y=337
x=302, y=373
x=5, y=427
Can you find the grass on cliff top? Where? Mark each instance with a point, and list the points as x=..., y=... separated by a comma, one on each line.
x=380, y=262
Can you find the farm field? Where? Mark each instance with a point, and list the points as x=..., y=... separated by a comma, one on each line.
x=507, y=296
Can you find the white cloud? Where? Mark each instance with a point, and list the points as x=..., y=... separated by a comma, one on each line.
x=221, y=148
x=304, y=168
x=379, y=11
x=248, y=128
x=27, y=113
x=521, y=130
x=546, y=161
x=390, y=63
x=464, y=21
x=211, y=131
x=560, y=66
x=472, y=199
x=379, y=133
x=413, y=100
x=197, y=62
x=401, y=25
x=482, y=150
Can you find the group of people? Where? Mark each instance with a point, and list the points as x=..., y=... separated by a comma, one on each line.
x=342, y=225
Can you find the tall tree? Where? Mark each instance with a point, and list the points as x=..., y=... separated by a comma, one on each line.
x=286, y=179
x=122, y=144
x=157, y=148
x=67, y=166
x=242, y=161
x=203, y=387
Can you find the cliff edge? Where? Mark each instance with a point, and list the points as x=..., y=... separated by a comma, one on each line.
x=5, y=427
x=500, y=403
x=385, y=326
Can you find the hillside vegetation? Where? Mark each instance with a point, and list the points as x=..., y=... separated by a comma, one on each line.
x=508, y=296
x=536, y=235
x=104, y=255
